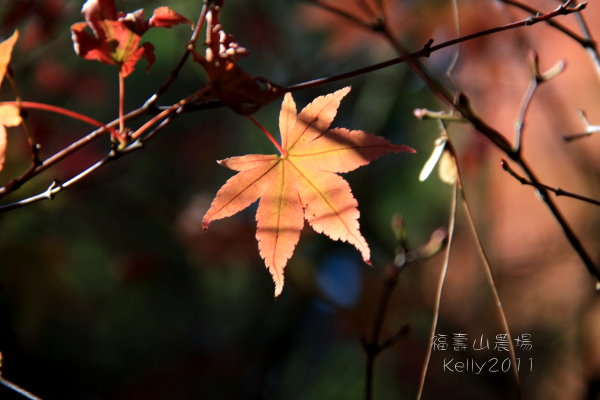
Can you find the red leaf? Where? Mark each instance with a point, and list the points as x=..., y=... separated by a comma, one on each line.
x=89, y=47
x=164, y=17
x=97, y=10
x=302, y=183
x=117, y=36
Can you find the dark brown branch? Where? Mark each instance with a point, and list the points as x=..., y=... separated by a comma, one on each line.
x=62, y=154
x=56, y=187
x=463, y=107
x=586, y=41
x=429, y=48
x=556, y=190
x=149, y=108
x=373, y=345
x=582, y=41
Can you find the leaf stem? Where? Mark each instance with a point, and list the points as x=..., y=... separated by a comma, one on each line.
x=121, y=105
x=155, y=119
x=35, y=170
x=59, y=110
x=269, y=136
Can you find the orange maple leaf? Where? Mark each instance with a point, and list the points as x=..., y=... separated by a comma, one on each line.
x=302, y=182
x=9, y=114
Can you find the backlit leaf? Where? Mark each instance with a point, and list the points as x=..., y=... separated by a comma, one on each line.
x=9, y=114
x=116, y=36
x=301, y=184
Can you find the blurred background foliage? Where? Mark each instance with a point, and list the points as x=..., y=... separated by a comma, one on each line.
x=113, y=291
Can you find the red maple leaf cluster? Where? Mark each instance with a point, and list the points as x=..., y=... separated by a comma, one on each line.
x=116, y=36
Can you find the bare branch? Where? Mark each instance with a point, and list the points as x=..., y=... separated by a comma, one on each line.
x=440, y=287
x=557, y=191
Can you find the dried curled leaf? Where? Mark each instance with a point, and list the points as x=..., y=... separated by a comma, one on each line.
x=229, y=83
x=302, y=183
x=447, y=169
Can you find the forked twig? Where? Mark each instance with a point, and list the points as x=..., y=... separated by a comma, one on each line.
x=373, y=345
x=461, y=105
x=537, y=78
x=556, y=190
x=149, y=106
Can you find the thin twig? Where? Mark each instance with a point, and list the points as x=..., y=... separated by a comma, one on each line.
x=456, y=55
x=589, y=129
x=487, y=268
x=18, y=389
x=429, y=48
x=373, y=346
x=520, y=124
x=175, y=71
x=32, y=105
x=537, y=78
x=557, y=191
x=591, y=48
x=585, y=40
x=62, y=154
x=559, y=217
x=33, y=146
x=461, y=104
x=424, y=113
x=148, y=107
x=440, y=286
x=424, y=52
x=582, y=41
x=342, y=13
x=574, y=136
x=57, y=187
